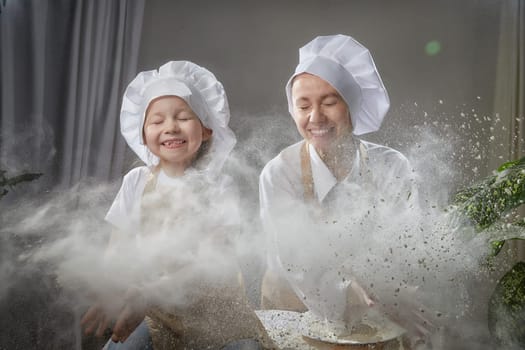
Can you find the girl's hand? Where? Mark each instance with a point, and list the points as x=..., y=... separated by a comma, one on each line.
x=130, y=316
x=127, y=321
x=95, y=320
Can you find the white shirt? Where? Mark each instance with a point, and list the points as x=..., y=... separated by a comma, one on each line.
x=125, y=212
x=385, y=171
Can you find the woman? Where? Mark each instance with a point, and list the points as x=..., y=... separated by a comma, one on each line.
x=307, y=191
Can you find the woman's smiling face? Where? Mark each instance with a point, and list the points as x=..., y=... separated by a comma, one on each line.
x=174, y=133
x=320, y=113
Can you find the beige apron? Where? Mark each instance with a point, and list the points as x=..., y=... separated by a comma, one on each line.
x=309, y=197
x=306, y=171
x=214, y=315
x=276, y=292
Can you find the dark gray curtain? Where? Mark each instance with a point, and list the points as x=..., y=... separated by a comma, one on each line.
x=64, y=67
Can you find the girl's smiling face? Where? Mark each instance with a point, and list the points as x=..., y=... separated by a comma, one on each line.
x=174, y=133
x=320, y=113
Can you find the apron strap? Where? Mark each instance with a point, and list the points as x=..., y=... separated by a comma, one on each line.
x=363, y=157
x=310, y=198
x=306, y=169
x=151, y=183
x=306, y=173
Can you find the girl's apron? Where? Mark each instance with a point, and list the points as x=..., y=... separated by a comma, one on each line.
x=214, y=316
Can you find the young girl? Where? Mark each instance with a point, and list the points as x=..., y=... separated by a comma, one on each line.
x=176, y=120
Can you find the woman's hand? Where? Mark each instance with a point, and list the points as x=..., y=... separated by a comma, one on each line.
x=407, y=311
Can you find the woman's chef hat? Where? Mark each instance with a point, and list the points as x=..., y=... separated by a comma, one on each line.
x=199, y=88
x=349, y=68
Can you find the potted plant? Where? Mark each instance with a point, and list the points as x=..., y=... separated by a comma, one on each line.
x=10, y=182
x=489, y=205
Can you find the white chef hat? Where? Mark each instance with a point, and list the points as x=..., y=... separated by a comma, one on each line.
x=348, y=66
x=199, y=88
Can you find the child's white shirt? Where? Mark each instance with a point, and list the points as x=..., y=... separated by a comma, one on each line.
x=125, y=212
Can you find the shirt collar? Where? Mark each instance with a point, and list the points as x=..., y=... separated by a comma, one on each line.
x=323, y=178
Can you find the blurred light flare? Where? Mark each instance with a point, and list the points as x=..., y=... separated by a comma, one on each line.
x=433, y=48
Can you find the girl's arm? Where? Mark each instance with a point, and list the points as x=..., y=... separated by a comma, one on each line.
x=115, y=239
x=129, y=310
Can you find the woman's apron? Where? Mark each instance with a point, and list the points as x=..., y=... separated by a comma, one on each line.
x=276, y=292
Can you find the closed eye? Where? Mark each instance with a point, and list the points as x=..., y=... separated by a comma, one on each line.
x=330, y=102
x=184, y=116
x=156, y=121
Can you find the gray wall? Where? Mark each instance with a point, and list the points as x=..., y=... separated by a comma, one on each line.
x=252, y=47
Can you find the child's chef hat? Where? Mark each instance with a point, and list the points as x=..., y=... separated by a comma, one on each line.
x=349, y=68
x=198, y=87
